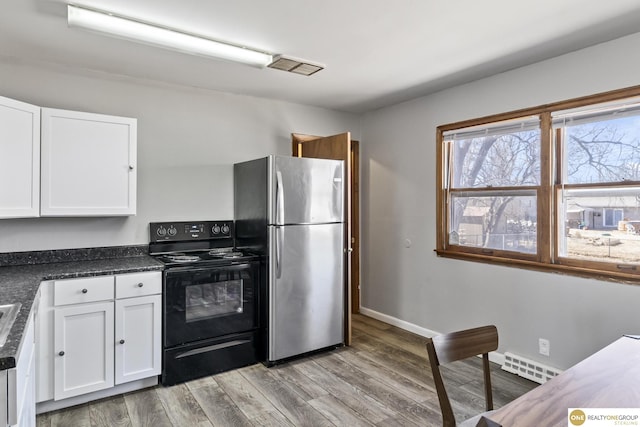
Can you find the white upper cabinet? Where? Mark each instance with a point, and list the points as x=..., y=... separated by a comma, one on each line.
x=88, y=164
x=19, y=159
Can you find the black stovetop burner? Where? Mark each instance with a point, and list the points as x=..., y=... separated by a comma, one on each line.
x=207, y=257
x=180, y=257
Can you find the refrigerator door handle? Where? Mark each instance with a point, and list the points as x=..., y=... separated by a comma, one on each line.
x=278, y=252
x=338, y=200
x=279, y=199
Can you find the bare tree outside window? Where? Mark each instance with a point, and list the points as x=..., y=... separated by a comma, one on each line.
x=604, y=151
x=498, y=215
x=497, y=219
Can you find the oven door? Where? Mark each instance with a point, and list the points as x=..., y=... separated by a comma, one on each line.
x=208, y=302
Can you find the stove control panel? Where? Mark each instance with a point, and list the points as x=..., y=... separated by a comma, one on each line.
x=189, y=231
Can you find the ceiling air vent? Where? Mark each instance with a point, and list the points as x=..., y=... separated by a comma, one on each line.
x=293, y=65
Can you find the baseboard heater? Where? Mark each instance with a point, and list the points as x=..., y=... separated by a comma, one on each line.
x=529, y=369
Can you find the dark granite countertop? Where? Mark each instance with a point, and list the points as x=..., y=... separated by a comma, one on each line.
x=20, y=283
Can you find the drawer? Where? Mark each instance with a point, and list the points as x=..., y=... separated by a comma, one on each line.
x=86, y=289
x=138, y=284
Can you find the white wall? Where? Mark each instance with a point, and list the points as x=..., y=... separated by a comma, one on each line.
x=188, y=141
x=413, y=285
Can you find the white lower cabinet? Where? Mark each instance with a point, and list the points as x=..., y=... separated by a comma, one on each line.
x=83, y=337
x=138, y=326
x=4, y=398
x=98, y=332
x=17, y=385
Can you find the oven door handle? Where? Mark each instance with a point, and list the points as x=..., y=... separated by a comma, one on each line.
x=212, y=348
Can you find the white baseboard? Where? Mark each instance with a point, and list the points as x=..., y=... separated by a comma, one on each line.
x=494, y=356
x=402, y=324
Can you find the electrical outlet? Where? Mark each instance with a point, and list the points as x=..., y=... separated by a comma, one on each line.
x=544, y=346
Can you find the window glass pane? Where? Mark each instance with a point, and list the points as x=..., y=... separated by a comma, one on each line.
x=601, y=224
x=611, y=217
x=502, y=222
x=497, y=160
x=605, y=150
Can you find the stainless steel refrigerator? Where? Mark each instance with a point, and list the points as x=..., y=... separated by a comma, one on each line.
x=291, y=210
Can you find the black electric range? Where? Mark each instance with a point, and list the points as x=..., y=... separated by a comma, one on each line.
x=211, y=299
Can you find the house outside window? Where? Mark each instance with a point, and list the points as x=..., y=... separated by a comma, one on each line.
x=555, y=187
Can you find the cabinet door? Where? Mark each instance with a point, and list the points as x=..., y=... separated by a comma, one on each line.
x=27, y=416
x=22, y=380
x=138, y=335
x=19, y=159
x=4, y=416
x=88, y=164
x=45, y=346
x=83, y=346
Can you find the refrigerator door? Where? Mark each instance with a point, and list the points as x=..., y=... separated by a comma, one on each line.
x=306, y=293
x=305, y=191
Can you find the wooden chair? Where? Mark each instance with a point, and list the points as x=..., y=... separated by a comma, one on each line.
x=457, y=346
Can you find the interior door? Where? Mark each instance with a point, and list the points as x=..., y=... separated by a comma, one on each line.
x=338, y=147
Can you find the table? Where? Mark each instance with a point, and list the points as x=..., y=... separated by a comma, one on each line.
x=609, y=378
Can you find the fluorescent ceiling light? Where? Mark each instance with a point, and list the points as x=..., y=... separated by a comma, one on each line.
x=143, y=32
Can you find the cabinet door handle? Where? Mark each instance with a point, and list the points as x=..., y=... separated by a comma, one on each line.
x=121, y=341
x=61, y=353
x=140, y=284
x=84, y=291
x=130, y=167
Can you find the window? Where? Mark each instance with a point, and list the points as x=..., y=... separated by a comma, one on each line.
x=553, y=187
x=611, y=217
x=495, y=173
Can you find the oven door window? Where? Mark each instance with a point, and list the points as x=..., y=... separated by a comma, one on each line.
x=215, y=299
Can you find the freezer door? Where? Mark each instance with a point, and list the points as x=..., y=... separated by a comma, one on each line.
x=306, y=191
x=306, y=292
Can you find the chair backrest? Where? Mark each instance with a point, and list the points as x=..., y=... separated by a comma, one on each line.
x=457, y=346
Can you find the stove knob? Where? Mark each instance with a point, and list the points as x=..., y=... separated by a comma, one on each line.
x=161, y=231
x=215, y=229
x=172, y=231
x=225, y=229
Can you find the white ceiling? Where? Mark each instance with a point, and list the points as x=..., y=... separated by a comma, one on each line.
x=376, y=52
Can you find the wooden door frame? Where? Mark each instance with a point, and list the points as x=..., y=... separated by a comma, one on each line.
x=355, y=226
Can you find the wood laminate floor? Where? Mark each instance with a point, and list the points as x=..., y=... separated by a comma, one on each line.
x=381, y=380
